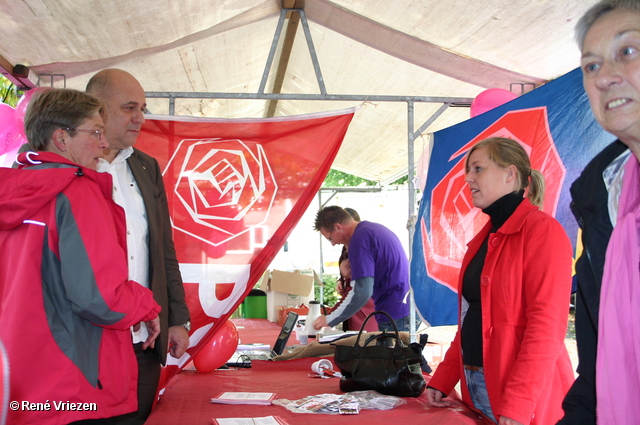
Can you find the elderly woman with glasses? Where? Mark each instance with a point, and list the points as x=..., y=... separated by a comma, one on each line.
x=66, y=305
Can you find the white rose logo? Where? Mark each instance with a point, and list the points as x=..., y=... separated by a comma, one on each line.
x=223, y=189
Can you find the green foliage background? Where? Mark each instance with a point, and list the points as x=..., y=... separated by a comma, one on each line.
x=8, y=92
x=329, y=292
x=337, y=178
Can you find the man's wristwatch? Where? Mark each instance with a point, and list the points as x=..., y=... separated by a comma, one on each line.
x=187, y=326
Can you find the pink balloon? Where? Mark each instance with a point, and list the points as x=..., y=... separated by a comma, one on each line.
x=10, y=139
x=6, y=114
x=489, y=99
x=9, y=158
x=21, y=108
x=218, y=350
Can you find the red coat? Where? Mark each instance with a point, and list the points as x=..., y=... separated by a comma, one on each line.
x=66, y=304
x=525, y=290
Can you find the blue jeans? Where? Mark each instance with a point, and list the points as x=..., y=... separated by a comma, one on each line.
x=402, y=324
x=478, y=391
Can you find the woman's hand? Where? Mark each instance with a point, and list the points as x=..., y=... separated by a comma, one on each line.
x=153, y=327
x=436, y=398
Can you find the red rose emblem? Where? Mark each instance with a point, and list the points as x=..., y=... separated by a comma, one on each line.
x=454, y=219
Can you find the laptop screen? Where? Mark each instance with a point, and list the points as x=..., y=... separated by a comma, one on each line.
x=285, y=332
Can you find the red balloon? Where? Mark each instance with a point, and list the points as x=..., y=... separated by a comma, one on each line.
x=218, y=350
x=489, y=99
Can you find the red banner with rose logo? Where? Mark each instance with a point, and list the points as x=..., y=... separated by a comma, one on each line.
x=236, y=189
x=555, y=125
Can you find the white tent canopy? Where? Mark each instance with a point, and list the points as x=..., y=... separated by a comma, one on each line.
x=448, y=51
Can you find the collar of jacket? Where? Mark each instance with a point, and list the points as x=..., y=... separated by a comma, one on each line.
x=40, y=159
x=512, y=225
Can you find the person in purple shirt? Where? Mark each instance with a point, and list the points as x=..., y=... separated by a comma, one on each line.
x=379, y=268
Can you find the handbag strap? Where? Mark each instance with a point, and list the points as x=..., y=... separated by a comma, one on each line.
x=376, y=338
x=393, y=323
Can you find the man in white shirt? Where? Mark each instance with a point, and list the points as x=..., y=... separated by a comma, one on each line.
x=138, y=188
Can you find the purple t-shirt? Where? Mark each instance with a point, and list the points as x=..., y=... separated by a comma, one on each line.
x=375, y=251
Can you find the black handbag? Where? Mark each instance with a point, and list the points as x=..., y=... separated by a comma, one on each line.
x=387, y=370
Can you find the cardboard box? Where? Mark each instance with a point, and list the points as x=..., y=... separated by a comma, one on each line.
x=284, y=310
x=288, y=289
x=278, y=299
x=293, y=283
x=433, y=353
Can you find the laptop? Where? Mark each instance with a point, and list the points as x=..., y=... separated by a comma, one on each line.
x=243, y=358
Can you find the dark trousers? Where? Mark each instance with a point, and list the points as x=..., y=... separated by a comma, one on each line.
x=148, y=378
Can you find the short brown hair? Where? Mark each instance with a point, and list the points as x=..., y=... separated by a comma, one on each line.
x=53, y=109
x=328, y=216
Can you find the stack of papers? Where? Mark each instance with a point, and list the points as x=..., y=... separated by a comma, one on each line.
x=248, y=347
x=263, y=399
x=333, y=335
x=267, y=420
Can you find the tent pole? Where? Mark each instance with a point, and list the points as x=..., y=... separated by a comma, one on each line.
x=410, y=224
x=321, y=257
x=272, y=51
x=312, y=51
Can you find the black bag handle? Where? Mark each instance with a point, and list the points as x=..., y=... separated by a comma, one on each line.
x=399, y=343
x=375, y=338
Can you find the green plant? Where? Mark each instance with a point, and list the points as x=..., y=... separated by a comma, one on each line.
x=337, y=178
x=329, y=292
x=8, y=92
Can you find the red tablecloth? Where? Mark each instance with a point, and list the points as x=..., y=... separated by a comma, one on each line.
x=186, y=400
x=253, y=331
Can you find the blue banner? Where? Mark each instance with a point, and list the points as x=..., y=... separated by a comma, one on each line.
x=557, y=128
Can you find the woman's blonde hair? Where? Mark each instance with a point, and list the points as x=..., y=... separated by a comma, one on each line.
x=506, y=152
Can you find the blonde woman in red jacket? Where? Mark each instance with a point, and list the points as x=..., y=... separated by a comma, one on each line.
x=515, y=281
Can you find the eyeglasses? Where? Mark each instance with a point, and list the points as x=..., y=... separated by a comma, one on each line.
x=330, y=234
x=97, y=133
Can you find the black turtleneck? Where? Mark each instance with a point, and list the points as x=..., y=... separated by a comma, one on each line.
x=471, y=336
